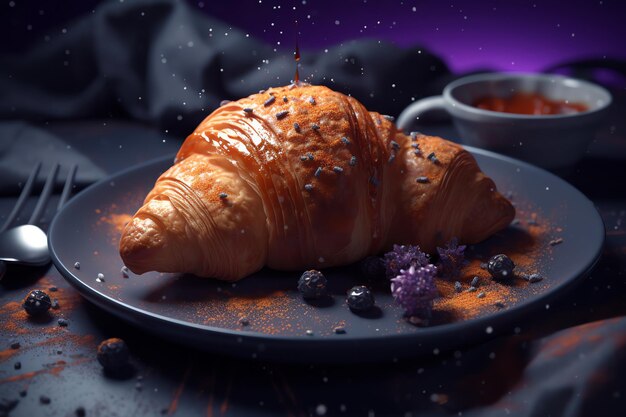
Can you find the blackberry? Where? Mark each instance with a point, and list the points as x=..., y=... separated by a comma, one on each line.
x=312, y=284
x=372, y=267
x=500, y=267
x=36, y=303
x=113, y=354
x=360, y=298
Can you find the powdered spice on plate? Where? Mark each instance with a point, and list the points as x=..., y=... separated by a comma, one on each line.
x=526, y=244
x=275, y=310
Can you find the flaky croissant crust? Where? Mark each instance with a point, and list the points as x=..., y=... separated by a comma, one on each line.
x=304, y=177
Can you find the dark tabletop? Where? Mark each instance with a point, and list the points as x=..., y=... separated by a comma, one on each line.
x=150, y=62
x=566, y=360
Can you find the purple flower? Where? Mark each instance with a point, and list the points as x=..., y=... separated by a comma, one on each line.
x=451, y=259
x=403, y=257
x=414, y=289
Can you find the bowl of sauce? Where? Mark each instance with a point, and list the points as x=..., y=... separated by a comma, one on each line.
x=529, y=103
x=548, y=120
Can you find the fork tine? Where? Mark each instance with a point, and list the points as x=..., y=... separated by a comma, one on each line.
x=28, y=187
x=45, y=195
x=67, y=188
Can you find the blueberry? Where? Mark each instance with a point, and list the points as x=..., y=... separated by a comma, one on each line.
x=372, y=267
x=113, y=354
x=360, y=298
x=36, y=303
x=312, y=284
x=500, y=267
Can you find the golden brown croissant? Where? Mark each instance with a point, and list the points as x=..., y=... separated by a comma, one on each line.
x=304, y=177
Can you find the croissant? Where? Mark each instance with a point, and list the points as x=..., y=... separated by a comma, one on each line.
x=305, y=177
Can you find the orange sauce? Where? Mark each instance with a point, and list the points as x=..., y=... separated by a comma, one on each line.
x=528, y=103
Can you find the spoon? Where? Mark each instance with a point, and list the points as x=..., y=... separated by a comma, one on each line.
x=25, y=245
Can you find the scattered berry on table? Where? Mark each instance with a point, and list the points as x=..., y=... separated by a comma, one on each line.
x=37, y=302
x=312, y=284
x=113, y=354
x=360, y=298
x=500, y=267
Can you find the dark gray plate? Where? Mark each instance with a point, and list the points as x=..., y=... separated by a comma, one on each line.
x=207, y=313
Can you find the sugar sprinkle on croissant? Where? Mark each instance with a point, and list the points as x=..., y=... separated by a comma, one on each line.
x=244, y=193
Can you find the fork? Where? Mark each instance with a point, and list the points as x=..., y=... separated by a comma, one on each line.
x=27, y=244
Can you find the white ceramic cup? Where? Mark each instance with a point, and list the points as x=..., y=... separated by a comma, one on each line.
x=551, y=141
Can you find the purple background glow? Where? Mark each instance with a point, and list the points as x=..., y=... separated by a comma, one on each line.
x=468, y=35
x=512, y=35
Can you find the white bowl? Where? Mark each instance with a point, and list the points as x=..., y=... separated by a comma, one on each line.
x=551, y=141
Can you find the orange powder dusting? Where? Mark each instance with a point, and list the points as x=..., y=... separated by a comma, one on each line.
x=526, y=245
x=13, y=318
x=15, y=321
x=465, y=305
x=117, y=222
x=7, y=353
x=263, y=312
x=55, y=370
x=179, y=391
